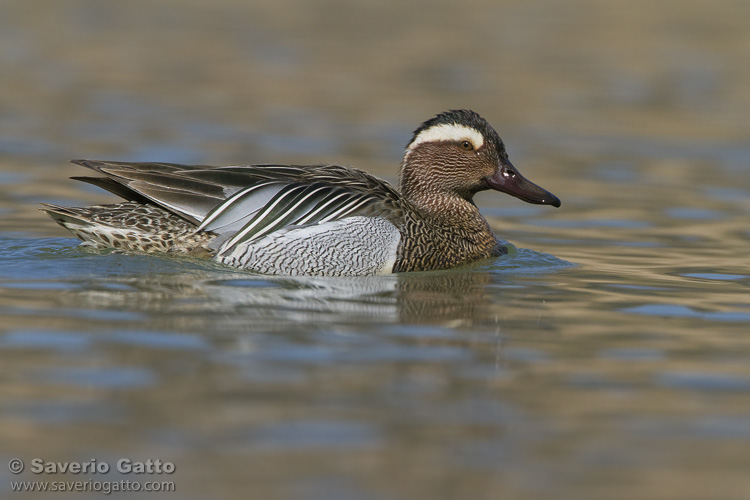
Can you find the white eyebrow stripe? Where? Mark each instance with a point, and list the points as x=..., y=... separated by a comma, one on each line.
x=449, y=132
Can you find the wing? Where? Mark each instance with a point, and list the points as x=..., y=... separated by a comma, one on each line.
x=259, y=210
x=189, y=191
x=243, y=203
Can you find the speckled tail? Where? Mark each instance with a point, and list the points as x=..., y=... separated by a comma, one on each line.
x=131, y=226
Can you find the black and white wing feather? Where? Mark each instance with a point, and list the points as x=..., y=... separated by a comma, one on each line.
x=260, y=210
x=243, y=203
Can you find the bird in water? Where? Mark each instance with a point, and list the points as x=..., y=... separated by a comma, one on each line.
x=322, y=220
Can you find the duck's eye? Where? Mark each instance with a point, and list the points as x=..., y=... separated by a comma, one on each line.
x=466, y=145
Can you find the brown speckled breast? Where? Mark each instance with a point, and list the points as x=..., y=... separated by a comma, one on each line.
x=431, y=245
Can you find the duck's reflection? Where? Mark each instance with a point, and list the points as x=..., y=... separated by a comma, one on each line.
x=448, y=298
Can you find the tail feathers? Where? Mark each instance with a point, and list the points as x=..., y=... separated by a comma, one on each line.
x=166, y=185
x=113, y=187
x=67, y=217
x=131, y=226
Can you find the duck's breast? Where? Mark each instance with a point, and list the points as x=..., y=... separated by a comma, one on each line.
x=353, y=246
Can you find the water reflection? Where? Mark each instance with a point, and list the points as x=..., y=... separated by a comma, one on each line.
x=118, y=288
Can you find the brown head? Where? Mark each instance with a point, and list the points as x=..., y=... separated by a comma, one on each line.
x=456, y=154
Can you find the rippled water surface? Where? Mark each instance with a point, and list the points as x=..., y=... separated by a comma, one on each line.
x=608, y=358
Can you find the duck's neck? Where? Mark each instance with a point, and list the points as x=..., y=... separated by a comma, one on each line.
x=444, y=206
x=436, y=203
x=453, y=214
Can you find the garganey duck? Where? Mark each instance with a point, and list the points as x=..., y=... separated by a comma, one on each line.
x=323, y=220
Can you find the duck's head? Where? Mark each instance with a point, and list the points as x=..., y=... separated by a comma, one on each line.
x=457, y=153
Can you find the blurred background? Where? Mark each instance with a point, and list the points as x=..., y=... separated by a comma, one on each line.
x=228, y=81
x=615, y=368
x=325, y=81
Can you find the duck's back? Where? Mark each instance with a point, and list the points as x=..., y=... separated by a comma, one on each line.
x=275, y=219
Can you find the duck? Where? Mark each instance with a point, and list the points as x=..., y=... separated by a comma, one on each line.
x=317, y=220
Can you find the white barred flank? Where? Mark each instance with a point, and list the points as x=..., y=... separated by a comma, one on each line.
x=449, y=132
x=354, y=246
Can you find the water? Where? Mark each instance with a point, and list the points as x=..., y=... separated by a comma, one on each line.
x=607, y=358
